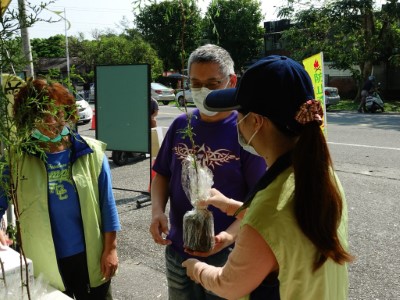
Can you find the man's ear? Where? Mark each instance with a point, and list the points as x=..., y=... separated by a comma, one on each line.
x=232, y=80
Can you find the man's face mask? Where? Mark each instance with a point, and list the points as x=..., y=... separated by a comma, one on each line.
x=199, y=95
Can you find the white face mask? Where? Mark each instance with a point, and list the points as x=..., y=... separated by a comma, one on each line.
x=242, y=142
x=199, y=95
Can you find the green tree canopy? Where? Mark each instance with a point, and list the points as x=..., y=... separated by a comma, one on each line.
x=349, y=32
x=235, y=26
x=14, y=59
x=51, y=47
x=115, y=49
x=161, y=25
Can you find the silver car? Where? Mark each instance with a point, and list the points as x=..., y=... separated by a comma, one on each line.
x=331, y=96
x=162, y=93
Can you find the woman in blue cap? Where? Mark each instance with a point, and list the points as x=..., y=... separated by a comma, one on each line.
x=292, y=242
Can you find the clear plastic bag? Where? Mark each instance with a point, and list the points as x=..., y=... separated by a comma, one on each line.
x=198, y=223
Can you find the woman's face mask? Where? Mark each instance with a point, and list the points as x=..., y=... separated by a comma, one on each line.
x=44, y=138
x=242, y=142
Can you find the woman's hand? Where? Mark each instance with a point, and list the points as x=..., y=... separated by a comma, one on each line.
x=216, y=199
x=189, y=264
x=222, y=240
x=109, y=258
x=109, y=263
x=4, y=240
x=223, y=203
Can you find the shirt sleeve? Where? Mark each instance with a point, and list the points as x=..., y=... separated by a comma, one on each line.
x=251, y=256
x=164, y=155
x=108, y=207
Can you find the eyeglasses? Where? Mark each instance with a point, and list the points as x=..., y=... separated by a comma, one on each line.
x=211, y=85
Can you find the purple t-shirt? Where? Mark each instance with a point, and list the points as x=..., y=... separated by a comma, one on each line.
x=235, y=170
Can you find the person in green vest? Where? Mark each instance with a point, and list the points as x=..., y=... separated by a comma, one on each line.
x=67, y=212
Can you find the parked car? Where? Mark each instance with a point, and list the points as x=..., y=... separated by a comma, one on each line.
x=162, y=93
x=91, y=93
x=85, y=112
x=87, y=95
x=331, y=96
x=188, y=97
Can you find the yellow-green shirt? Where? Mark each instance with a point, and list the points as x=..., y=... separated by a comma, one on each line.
x=271, y=214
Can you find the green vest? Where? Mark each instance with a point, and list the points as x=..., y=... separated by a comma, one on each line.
x=32, y=193
x=271, y=213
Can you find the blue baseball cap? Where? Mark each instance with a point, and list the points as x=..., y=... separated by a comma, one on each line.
x=275, y=87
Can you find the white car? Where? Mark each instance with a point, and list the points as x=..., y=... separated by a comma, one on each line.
x=331, y=96
x=85, y=112
x=188, y=97
x=162, y=93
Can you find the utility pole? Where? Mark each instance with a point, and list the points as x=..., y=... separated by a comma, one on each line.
x=66, y=44
x=26, y=44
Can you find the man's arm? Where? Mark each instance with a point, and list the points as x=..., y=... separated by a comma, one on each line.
x=159, y=199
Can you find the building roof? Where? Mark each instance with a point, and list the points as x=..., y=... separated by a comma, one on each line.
x=45, y=64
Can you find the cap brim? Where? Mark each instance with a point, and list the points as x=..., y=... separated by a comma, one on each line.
x=222, y=100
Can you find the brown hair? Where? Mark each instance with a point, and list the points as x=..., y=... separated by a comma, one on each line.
x=38, y=96
x=318, y=202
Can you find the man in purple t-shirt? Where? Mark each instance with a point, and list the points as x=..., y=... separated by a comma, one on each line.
x=235, y=171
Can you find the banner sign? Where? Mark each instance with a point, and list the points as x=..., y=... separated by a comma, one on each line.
x=3, y=6
x=314, y=66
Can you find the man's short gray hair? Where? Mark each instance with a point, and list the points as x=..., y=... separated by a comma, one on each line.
x=213, y=54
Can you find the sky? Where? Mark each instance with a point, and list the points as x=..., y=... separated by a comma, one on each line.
x=87, y=15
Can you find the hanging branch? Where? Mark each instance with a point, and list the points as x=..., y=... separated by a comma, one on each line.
x=11, y=140
x=188, y=131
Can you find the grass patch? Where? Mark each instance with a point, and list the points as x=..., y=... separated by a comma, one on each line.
x=350, y=105
x=343, y=105
x=392, y=106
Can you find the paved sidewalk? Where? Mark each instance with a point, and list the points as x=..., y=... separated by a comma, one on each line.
x=139, y=282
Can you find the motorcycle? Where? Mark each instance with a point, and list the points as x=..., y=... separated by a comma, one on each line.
x=374, y=102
